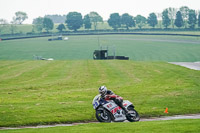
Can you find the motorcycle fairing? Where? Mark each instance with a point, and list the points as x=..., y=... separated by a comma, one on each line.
x=97, y=101
x=116, y=111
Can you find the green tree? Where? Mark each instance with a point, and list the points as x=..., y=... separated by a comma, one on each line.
x=185, y=13
x=192, y=20
x=87, y=22
x=165, y=18
x=61, y=27
x=114, y=21
x=74, y=21
x=38, y=24
x=179, y=20
x=95, y=18
x=20, y=17
x=48, y=24
x=152, y=20
x=140, y=21
x=127, y=20
x=172, y=15
x=199, y=20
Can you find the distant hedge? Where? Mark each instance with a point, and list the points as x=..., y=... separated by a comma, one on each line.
x=101, y=32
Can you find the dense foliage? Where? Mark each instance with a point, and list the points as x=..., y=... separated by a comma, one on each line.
x=192, y=19
x=179, y=20
x=199, y=20
x=87, y=22
x=74, y=20
x=48, y=24
x=140, y=21
x=127, y=20
x=43, y=23
x=61, y=27
x=165, y=19
x=114, y=21
x=152, y=20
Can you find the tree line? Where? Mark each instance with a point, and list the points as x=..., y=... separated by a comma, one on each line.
x=181, y=18
x=74, y=21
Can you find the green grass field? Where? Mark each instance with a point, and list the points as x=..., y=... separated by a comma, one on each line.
x=44, y=92
x=36, y=92
x=138, y=48
x=173, y=126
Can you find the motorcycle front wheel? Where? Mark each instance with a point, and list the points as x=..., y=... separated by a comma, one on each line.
x=103, y=115
x=133, y=116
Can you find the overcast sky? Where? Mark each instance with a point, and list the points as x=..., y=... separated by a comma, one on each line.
x=36, y=8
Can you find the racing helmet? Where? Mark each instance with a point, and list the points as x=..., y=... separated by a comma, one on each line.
x=102, y=90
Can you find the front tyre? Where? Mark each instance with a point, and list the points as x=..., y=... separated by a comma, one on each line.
x=103, y=115
x=133, y=116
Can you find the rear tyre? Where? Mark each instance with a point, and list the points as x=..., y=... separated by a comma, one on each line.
x=103, y=115
x=133, y=116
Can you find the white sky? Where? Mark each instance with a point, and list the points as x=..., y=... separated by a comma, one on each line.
x=36, y=8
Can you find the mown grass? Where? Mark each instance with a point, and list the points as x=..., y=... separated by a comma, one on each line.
x=43, y=92
x=170, y=126
x=140, y=48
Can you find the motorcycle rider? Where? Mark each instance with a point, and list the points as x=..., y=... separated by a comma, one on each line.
x=109, y=95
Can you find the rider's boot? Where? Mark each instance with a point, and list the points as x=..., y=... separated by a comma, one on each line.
x=119, y=102
x=127, y=112
x=123, y=108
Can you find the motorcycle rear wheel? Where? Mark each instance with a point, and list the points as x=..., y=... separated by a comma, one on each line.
x=103, y=115
x=133, y=117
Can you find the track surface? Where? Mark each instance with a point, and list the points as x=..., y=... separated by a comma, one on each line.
x=190, y=65
x=190, y=116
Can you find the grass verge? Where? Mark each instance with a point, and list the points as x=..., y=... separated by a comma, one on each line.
x=171, y=126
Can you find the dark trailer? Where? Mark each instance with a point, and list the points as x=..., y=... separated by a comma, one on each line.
x=103, y=55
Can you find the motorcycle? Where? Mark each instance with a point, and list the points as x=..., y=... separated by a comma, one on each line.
x=107, y=111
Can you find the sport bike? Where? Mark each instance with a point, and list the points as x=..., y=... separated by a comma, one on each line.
x=107, y=111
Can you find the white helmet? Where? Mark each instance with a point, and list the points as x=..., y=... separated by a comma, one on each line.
x=103, y=90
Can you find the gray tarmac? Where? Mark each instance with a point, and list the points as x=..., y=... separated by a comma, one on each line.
x=190, y=65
